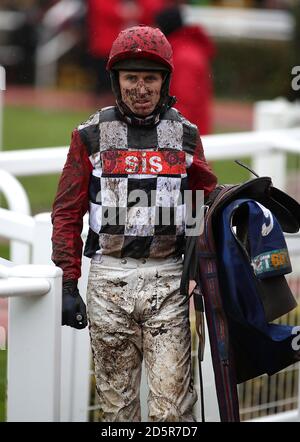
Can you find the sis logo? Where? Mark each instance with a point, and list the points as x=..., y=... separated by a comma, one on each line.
x=166, y=162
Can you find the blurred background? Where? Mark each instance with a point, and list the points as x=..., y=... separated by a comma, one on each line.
x=228, y=55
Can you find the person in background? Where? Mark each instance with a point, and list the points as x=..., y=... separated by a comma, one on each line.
x=192, y=83
x=105, y=19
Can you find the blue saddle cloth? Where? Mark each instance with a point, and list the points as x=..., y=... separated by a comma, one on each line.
x=251, y=248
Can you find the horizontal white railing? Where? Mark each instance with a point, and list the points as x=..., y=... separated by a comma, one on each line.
x=264, y=24
x=11, y=230
x=218, y=21
x=287, y=416
x=14, y=286
x=34, y=342
x=266, y=148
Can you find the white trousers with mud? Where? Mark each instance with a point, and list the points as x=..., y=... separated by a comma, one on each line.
x=134, y=313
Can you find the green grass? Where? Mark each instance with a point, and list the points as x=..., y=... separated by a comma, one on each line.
x=228, y=172
x=26, y=128
x=4, y=250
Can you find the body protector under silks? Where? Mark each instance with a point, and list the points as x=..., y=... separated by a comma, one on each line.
x=242, y=258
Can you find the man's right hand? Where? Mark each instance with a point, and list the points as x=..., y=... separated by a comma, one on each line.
x=73, y=307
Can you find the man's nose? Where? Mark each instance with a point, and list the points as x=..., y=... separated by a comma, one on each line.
x=141, y=87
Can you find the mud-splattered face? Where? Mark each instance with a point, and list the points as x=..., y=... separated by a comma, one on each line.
x=140, y=91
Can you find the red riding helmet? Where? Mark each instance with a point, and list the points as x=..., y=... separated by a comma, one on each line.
x=141, y=42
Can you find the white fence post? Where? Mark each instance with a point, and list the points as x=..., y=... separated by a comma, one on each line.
x=209, y=385
x=269, y=115
x=81, y=360
x=41, y=247
x=34, y=350
x=271, y=163
x=276, y=114
x=75, y=360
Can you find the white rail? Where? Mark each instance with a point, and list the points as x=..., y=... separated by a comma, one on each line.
x=266, y=148
x=34, y=342
x=14, y=286
x=221, y=146
x=242, y=23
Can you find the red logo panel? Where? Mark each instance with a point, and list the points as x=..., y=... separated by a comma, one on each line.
x=171, y=162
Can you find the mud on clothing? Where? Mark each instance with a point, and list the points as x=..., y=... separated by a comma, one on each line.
x=134, y=314
x=98, y=178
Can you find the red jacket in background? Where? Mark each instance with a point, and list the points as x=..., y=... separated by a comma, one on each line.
x=192, y=78
x=105, y=21
x=150, y=8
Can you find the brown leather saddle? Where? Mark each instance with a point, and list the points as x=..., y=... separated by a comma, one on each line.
x=278, y=299
x=284, y=207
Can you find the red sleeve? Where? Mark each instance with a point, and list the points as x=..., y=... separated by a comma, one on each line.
x=200, y=175
x=69, y=207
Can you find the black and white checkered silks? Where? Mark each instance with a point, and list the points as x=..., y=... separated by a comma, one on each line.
x=136, y=230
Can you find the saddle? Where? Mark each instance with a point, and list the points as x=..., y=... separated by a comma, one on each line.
x=202, y=253
x=285, y=208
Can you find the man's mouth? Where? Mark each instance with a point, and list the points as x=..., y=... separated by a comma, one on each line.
x=142, y=102
x=142, y=106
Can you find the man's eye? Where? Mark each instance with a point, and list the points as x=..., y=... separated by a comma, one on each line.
x=151, y=79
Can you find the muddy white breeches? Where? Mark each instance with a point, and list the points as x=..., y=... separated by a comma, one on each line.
x=134, y=313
